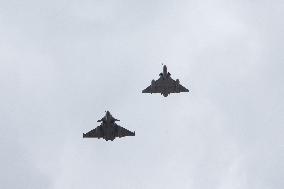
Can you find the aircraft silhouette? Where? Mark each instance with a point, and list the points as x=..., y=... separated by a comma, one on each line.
x=108, y=129
x=165, y=84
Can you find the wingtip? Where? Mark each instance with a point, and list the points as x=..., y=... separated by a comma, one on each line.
x=144, y=91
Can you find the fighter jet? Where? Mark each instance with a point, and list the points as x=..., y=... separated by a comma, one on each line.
x=165, y=85
x=108, y=129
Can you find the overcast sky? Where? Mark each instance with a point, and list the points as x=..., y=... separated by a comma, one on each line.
x=63, y=63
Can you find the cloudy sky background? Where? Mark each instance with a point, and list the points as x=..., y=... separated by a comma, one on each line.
x=63, y=63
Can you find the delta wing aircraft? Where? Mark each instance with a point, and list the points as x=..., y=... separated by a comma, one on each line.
x=108, y=129
x=165, y=85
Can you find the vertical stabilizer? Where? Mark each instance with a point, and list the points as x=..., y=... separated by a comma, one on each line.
x=165, y=71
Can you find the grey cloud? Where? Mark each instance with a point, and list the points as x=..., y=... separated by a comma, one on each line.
x=63, y=63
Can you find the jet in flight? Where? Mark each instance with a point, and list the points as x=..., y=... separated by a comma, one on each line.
x=165, y=85
x=108, y=129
